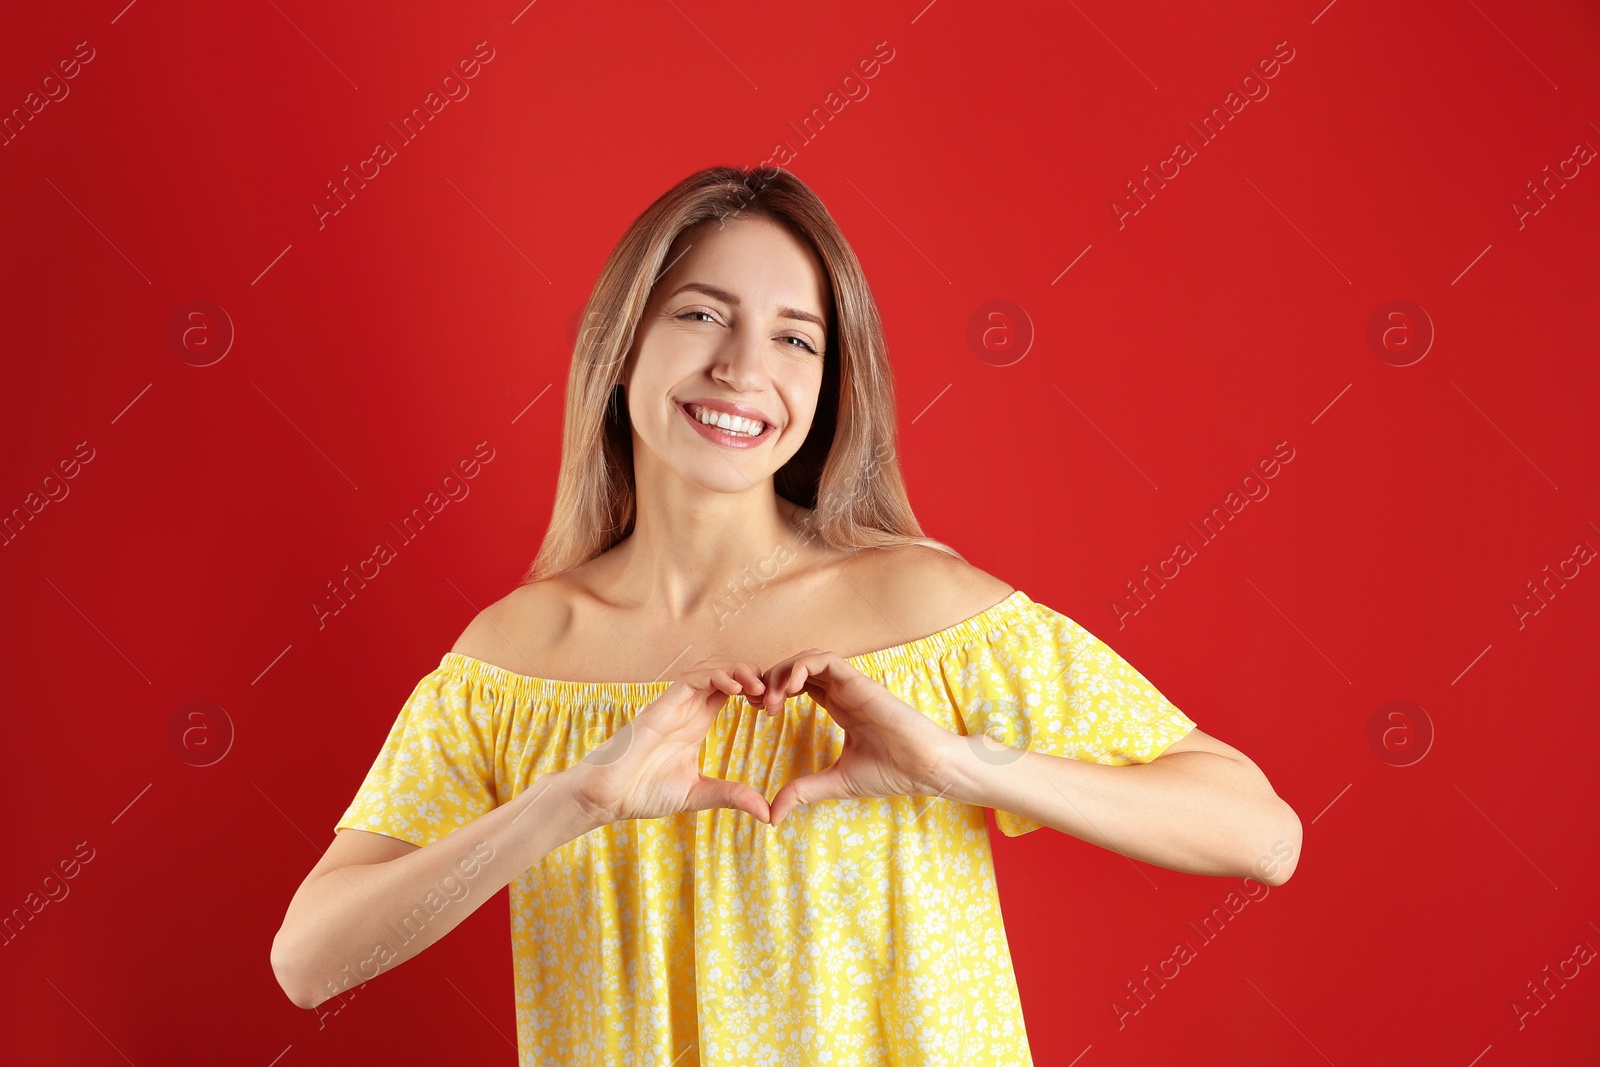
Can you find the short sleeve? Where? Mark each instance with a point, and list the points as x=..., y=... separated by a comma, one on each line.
x=1043, y=683
x=436, y=770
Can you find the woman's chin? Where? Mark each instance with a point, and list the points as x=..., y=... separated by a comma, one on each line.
x=729, y=472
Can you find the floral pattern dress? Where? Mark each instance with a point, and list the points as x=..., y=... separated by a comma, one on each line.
x=859, y=932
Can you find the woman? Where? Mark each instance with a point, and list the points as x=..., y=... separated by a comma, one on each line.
x=730, y=521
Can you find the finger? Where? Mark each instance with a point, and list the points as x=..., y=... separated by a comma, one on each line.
x=813, y=675
x=706, y=693
x=712, y=792
x=771, y=696
x=826, y=676
x=775, y=675
x=807, y=789
x=797, y=679
x=794, y=681
x=750, y=678
x=725, y=681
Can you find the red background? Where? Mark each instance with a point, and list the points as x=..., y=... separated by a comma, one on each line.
x=1228, y=315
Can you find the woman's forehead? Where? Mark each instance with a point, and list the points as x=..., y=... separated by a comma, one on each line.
x=756, y=262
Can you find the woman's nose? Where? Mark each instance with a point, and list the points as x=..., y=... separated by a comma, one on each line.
x=740, y=362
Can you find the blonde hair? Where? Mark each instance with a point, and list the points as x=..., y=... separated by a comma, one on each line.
x=846, y=470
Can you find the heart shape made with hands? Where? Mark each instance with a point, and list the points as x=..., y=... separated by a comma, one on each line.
x=890, y=748
x=652, y=766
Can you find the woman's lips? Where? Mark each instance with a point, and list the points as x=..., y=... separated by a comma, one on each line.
x=723, y=438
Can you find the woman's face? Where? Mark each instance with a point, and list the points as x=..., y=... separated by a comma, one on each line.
x=735, y=327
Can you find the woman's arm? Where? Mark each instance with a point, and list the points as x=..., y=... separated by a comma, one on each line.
x=1201, y=807
x=372, y=902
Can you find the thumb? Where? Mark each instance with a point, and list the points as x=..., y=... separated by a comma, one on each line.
x=808, y=789
x=712, y=792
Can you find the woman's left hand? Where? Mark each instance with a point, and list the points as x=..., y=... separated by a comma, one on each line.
x=890, y=748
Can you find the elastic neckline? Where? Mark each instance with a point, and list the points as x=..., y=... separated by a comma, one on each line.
x=873, y=663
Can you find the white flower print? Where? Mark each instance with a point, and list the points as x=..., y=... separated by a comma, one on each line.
x=860, y=932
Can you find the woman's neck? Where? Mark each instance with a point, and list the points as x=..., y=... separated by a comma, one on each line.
x=689, y=547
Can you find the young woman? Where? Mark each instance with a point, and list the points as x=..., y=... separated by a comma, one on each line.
x=731, y=742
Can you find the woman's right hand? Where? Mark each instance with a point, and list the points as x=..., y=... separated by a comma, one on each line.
x=651, y=767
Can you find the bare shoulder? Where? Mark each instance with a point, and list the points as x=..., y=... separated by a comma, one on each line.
x=922, y=590
x=515, y=631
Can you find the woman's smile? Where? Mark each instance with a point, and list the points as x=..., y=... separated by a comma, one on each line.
x=733, y=435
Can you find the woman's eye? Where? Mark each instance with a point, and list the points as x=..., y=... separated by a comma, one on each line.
x=805, y=344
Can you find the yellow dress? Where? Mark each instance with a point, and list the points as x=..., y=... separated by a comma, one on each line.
x=860, y=932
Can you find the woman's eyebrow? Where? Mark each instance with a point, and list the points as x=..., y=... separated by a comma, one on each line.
x=717, y=293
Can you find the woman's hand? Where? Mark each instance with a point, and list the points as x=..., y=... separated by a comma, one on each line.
x=890, y=748
x=651, y=767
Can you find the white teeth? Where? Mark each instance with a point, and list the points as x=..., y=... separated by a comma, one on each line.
x=733, y=424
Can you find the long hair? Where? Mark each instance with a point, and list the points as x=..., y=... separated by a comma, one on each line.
x=846, y=470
